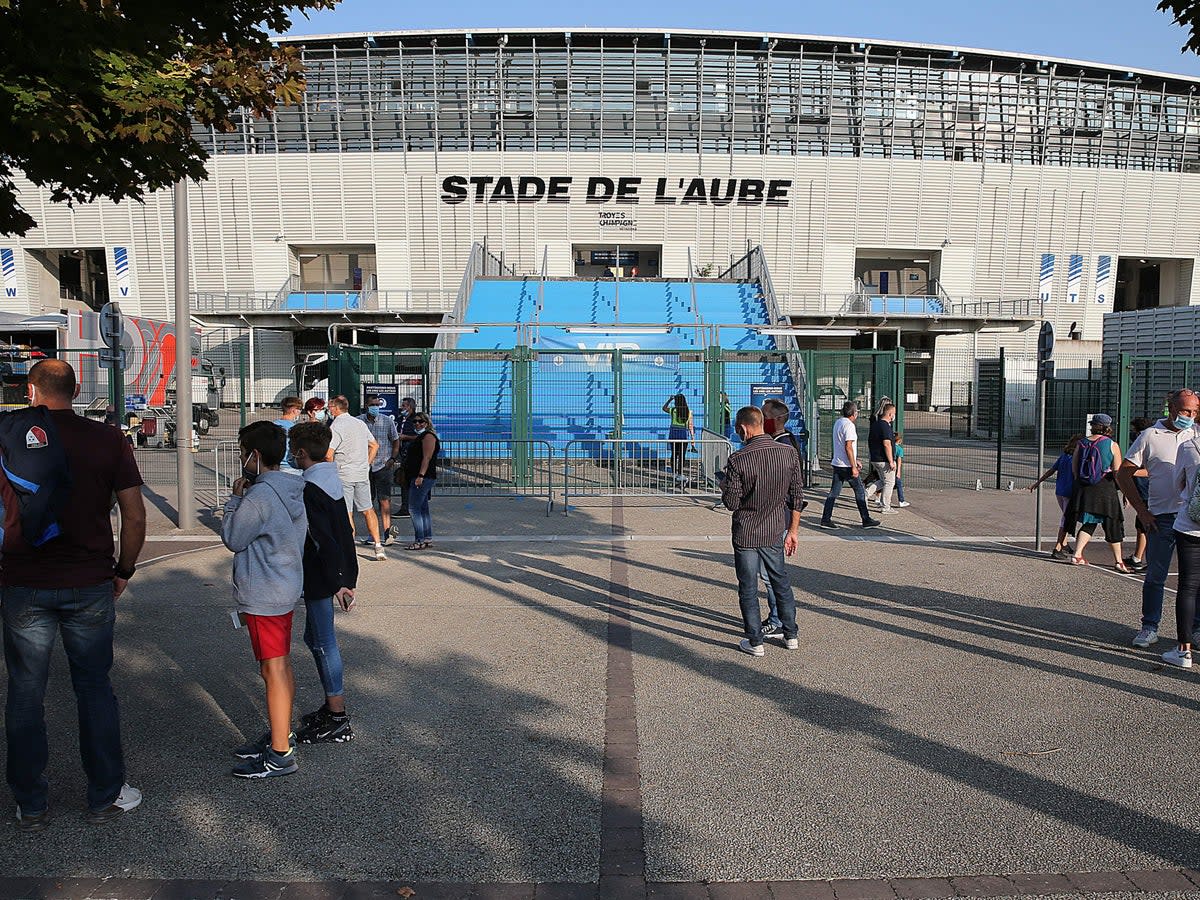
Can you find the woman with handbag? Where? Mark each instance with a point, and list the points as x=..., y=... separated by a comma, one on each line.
x=1094, y=498
x=1187, y=550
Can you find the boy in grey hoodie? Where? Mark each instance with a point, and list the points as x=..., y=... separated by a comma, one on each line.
x=265, y=525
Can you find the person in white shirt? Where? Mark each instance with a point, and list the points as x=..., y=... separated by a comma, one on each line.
x=1187, y=547
x=1155, y=450
x=353, y=450
x=846, y=468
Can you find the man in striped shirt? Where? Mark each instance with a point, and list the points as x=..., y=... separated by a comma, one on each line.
x=763, y=487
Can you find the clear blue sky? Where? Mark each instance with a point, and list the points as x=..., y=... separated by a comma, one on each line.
x=1121, y=32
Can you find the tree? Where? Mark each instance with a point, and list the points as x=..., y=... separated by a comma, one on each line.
x=98, y=97
x=1187, y=14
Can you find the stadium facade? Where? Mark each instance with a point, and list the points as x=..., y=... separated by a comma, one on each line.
x=994, y=188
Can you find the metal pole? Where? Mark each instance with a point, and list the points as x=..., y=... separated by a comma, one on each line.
x=1037, y=492
x=251, y=369
x=183, y=365
x=1000, y=404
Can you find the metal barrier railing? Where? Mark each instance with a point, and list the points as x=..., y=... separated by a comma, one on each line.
x=642, y=467
x=497, y=468
x=227, y=468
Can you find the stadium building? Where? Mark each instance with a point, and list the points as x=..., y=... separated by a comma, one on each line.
x=941, y=198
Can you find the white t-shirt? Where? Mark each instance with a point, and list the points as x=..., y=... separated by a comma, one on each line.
x=350, y=445
x=1155, y=451
x=844, y=430
x=1187, y=467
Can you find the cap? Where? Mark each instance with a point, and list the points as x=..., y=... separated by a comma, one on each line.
x=1102, y=419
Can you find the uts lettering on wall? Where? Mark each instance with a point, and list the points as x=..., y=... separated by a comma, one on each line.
x=668, y=191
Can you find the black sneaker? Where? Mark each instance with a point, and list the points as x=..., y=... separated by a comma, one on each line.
x=254, y=749
x=871, y=523
x=1135, y=565
x=328, y=729
x=267, y=765
x=825, y=523
x=1060, y=554
x=309, y=718
x=769, y=630
x=403, y=514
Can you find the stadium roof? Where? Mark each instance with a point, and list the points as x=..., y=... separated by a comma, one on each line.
x=491, y=37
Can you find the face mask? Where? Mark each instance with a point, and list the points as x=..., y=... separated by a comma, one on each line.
x=422, y=430
x=252, y=476
x=321, y=415
x=374, y=411
x=769, y=426
x=1183, y=423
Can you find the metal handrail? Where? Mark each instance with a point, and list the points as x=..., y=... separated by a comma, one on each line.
x=637, y=467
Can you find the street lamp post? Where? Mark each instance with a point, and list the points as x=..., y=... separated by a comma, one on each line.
x=183, y=365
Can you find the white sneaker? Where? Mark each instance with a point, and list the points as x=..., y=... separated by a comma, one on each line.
x=129, y=798
x=791, y=643
x=886, y=510
x=380, y=553
x=1177, y=657
x=872, y=489
x=903, y=504
x=746, y=647
x=1145, y=637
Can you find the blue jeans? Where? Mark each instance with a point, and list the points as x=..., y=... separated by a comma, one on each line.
x=747, y=564
x=1160, y=549
x=418, y=508
x=32, y=619
x=900, y=489
x=320, y=638
x=841, y=475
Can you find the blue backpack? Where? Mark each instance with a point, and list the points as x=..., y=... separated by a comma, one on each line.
x=1091, y=462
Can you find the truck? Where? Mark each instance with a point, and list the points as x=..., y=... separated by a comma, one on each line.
x=149, y=349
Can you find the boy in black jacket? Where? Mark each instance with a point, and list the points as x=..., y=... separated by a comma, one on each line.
x=330, y=573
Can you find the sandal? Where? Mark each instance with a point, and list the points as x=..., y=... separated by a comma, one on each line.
x=1078, y=561
x=1121, y=567
x=425, y=545
x=415, y=545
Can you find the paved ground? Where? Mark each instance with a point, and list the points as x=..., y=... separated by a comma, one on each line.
x=555, y=703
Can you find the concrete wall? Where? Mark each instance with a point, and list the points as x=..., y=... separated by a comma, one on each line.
x=998, y=220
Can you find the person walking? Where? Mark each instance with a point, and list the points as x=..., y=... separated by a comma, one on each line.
x=846, y=468
x=1187, y=549
x=881, y=445
x=1156, y=450
x=1064, y=486
x=421, y=470
x=681, y=432
x=387, y=436
x=762, y=488
x=898, y=450
x=1094, y=497
x=330, y=576
x=353, y=450
x=66, y=585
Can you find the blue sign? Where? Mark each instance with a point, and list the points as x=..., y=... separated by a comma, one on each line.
x=761, y=392
x=135, y=401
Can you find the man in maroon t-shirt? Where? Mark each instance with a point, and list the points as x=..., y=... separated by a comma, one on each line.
x=70, y=584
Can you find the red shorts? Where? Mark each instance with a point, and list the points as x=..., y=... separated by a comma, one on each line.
x=270, y=636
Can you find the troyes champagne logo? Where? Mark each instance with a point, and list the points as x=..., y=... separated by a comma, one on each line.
x=35, y=438
x=665, y=192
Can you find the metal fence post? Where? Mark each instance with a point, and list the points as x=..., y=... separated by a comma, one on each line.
x=714, y=385
x=899, y=388
x=522, y=410
x=242, y=383
x=1124, y=401
x=426, y=387
x=1001, y=398
x=618, y=393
